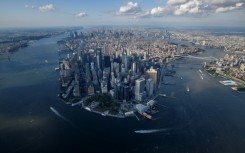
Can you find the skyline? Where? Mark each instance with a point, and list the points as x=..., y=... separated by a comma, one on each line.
x=50, y=13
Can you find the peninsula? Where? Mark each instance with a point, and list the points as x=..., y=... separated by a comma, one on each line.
x=117, y=72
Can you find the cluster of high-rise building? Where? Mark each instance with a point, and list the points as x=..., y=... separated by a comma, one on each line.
x=125, y=64
x=229, y=41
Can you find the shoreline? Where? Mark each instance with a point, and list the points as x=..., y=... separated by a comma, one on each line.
x=225, y=77
x=111, y=115
x=101, y=113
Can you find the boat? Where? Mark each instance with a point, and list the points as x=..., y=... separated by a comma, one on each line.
x=147, y=116
x=56, y=69
x=87, y=108
x=239, y=89
x=105, y=113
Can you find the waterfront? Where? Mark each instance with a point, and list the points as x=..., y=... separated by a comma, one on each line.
x=208, y=118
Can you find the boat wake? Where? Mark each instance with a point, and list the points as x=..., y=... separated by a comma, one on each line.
x=58, y=114
x=201, y=76
x=63, y=118
x=150, y=131
x=187, y=88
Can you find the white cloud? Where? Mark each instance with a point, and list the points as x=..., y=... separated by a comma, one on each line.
x=158, y=11
x=221, y=2
x=81, y=14
x=224, y=9
x=130, y=9
x=183, y=8
x=229, y=8
x=30, y=6
x=176, y=2
x=46, y=8
x=190, y=7
x=145, y=14
x=194, y=10
x=239, y=4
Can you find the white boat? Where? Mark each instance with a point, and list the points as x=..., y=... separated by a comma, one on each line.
x=87, y=108
x=105, y=113
x=164, y=95
x=56, y=69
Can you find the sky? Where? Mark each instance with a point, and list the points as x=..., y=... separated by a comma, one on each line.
x=50, y=13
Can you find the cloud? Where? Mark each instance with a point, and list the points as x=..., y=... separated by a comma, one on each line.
x=30, y=6
x=46, y=8
x=176, y=2
x=229, y=8
x=196, y=7
x=182, y=8
x=81, y=14
x=143, y=14
x=129, y=9
x=190, y=7
x=158, y=11
x=221, y=2
x=239, y=4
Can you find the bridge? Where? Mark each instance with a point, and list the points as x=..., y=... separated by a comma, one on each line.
x=210, y=58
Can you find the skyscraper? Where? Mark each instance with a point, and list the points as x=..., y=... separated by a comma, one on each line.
x=99, y=58
x=149, y=87
x=134, y=68
x=125, y=60
x=140, y=85
x=125, y=92
x=107, y=61
x=139, y=89
x=152, y=73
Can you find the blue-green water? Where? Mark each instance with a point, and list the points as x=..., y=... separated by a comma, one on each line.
x=208, y=118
